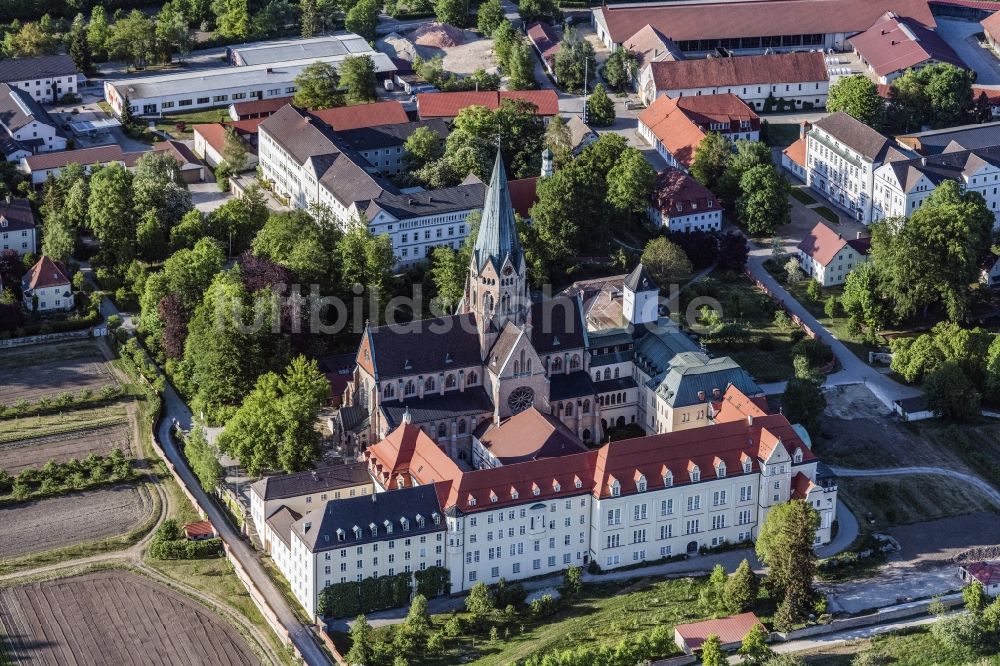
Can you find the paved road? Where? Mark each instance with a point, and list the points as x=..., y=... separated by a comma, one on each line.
x=847, y=532
x=853, y=369
x=982, y=485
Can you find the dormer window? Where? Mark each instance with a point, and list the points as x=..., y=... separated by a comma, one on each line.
x=400, y=481
x=374, y=529
x=340, y=534
x=513, y=493
x=695, y=473
x=577, y=482
x=535, y=490
x=668, y=479
x=436, y=517
x=747, y=465
x=616, y=488
x=388, y=527
x=420, y=520
x=797, y=456
x=472, y=501
x=357, y=532
x=640, y=483
x=555, y=486
x=720, y=470
x=493, y=497
x=405, y=523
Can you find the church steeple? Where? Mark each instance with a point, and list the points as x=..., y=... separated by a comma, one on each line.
x=497, y=239
x=497, y=287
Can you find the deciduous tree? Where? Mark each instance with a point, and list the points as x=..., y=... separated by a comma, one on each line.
x=452, y=12
x=763, y=202
x=362, y=19
x=665, y=261
x=318, y=86
x=858, y=96
x=600, y=108
x=710, y=159
x=950, y=394
x=489, y=16
x=357, y=74
x=711, y=652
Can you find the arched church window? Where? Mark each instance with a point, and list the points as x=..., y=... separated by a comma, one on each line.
x=569, y=409
x=586, y=406
x=556, y=364
x=616, y=373
x=607, y=373
x=429, y=384
x=409, y=389
x=472, y=380
x=442, y=430
x=574, y=362
x=389, y=391
x=461, y=426
x=449, y=382
x=517, y=367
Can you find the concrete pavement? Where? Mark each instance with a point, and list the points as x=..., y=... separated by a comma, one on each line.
x=847, y=532
x=961, y=36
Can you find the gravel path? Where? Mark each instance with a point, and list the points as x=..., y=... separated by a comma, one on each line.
x=34, y=527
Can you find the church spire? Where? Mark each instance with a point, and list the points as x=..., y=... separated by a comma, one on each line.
x=497, y=238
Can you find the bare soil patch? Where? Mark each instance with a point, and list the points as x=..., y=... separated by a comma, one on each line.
x=114, y=617
x=35, y=372
x=859, y=432
x=41, y=525
x=28, y=453
x=884, y=502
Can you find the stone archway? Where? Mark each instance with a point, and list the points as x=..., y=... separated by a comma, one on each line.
x=692, y=547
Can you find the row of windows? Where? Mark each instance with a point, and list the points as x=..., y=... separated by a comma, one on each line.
x=536, y=564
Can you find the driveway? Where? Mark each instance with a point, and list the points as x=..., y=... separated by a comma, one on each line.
x=960, y=36
x=206, y=197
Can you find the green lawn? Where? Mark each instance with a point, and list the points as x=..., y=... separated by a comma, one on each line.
x=782, y=134
x=977, y=445
x=826, y=213
x=57, y=424
x=168, y=123
x=604, y=614
x=767, y=352
x=801, y=194
x=916, y=647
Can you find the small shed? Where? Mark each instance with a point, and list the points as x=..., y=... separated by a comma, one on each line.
x=987, y=573
x=199, y=531
x=912, y=409
x=730, y=630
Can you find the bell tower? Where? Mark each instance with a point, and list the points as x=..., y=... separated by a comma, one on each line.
x=496, y=289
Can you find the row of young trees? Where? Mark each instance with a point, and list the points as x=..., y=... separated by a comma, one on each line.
x=74, y=474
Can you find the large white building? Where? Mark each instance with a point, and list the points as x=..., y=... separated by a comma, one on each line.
x=308, y=163
x=902, y=186
x=17, y=226
x=842, y=155
x=45, y=78
x=25, y=127
x=270, y=76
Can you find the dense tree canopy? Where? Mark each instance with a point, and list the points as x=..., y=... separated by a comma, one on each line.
x=785, y=545
x=318, y=86
x=858, y=96
x=575, y=62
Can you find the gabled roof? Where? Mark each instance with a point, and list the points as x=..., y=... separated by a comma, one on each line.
x=497, y=240
x=729, y=630
x=806, y=67
x=199, y=528
x=680, y=123
x=681, y=21
x=342, y=118
x=987, y=573
x=45, y=273
x=991, y=24
x=448, y=104
x=896, y=43
x=859, y=137
x=557, y=324
x=281, y=522
x=802, y=485
x=16, y=214
x=736, y=405
x=676, y=194
x=85, y=156
x=969, y=137
x=319, y=480
x=544, y=40
x=425, y=346
x=694, y=378
x=823, y=243
x=523, y=195
x=436, y=406
x=530, y=435
x=390, y=136
x=578, y=131
x=650, y=45
x=264, y=107
x=18, y=108
x=42, y=67
x=797, y=152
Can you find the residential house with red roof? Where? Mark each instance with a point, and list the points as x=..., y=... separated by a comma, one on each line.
x=675, y=126
x=17, y=226
x=792, y=80
x=681, y=203
x=546, y=43
x=895, y=44
x=446, y=105
x=46, y=287
x=991, y=29
x=793, y=159
x=827, y=257
x=987, y=573
x=210, y=140
x=730, y=631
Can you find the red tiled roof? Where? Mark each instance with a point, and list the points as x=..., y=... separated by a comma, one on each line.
x=543, y=39
x=756, y=18
x=736, y=405
x=991, y=24
x=729, y=629
x=992, y=94
x=530, y=435
x=363, y=115
x=59, y=159
x=197, y=529
x=523, y=195
x=822, y=244
x=802, y=486
x=987, y=573
x=681, y=123
x=448, y=104
x=260, y=106
x=676, y=193
x=797, y=152
x=215, y=133
x=45, y=273
x=896, y=43
x=775, y=68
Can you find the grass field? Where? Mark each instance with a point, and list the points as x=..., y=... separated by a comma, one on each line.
x=29, y=427
x=67, y=367
x=767, y=355
x=826, y=213
x=168, y=123
x=916, y=647
x=782, y=134
x=893, y=501
x=800, y=194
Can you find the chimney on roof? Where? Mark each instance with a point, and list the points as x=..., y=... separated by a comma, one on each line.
x=269, y=70
x=858, y=237
x=749, y=419
x=923, y=161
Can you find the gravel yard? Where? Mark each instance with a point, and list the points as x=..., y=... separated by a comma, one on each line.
x=27, y=453
x=114, y=617
x=38, y=526
x=34, y=372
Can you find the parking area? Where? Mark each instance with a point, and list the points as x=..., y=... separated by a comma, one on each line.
x=961, y=36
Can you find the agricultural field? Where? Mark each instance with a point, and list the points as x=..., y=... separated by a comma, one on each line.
x=35, y=452
x=71, y=518
x=72, y=421
x=35, y=372
x=114, y=617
